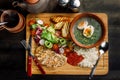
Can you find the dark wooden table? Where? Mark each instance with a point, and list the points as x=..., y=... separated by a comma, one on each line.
x=12, y=54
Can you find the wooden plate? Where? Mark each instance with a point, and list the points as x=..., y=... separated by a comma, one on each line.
x=102, y=68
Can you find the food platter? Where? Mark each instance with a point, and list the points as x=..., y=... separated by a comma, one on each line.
x=68, y=69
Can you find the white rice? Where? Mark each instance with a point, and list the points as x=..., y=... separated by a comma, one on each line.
x=90, y=56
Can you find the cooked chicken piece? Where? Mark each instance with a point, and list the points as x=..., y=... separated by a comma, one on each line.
x=39, y=49
x=65, y=30
x=58, y=25
x=49, y=58
x=57, y=19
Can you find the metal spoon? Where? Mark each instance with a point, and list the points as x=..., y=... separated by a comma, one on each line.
x=102, y=49
x=3, y=23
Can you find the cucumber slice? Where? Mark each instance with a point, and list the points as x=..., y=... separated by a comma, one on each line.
x=48, y=44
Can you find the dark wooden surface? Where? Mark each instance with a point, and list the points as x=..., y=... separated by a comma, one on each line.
x=12, y=54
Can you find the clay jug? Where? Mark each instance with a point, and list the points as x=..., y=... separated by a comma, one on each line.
x=36, y=6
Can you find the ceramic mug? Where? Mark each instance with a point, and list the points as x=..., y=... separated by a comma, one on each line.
x=15, y=21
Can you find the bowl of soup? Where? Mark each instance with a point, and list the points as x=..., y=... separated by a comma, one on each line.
x=87, y=30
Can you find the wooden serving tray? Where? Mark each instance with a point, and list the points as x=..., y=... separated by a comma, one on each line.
x=103, y=66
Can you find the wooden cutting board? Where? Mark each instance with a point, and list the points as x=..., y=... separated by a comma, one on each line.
x=103, y=66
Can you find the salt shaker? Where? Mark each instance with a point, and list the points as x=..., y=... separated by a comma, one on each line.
x=63, y=3
x=74, y=5
x=71, y=4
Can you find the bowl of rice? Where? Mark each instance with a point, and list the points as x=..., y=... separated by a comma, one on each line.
x=90, y=56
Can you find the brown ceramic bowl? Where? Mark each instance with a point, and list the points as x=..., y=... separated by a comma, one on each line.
x=19, y=25
x=77, y=35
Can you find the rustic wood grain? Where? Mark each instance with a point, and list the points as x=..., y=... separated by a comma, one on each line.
x=102, y=67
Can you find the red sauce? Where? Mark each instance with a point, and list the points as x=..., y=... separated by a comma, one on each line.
x=74, y=59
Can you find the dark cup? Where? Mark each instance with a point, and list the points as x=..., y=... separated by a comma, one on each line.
x=15, y=21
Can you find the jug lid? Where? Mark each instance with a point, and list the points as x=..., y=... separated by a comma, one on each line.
x=31, y=1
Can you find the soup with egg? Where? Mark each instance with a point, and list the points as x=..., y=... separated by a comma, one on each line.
x=96, y=33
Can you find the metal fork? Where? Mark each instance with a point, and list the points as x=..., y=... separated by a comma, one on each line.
x=23, y=42
x=29, y=59
x=27, y=47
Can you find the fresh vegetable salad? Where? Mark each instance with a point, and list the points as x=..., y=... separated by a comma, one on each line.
x=55, y=46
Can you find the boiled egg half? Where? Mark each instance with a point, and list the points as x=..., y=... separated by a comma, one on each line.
x=88, y=31
x=82, y=24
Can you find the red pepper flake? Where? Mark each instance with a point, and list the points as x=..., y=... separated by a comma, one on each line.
x=74, y=59
x=55, y=48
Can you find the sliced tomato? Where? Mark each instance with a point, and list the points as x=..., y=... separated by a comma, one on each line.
x=31, y=22
x=67, y=50
x=46, y=24
x=55, y=47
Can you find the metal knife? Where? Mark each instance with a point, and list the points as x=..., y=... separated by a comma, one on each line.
x=29, y=57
